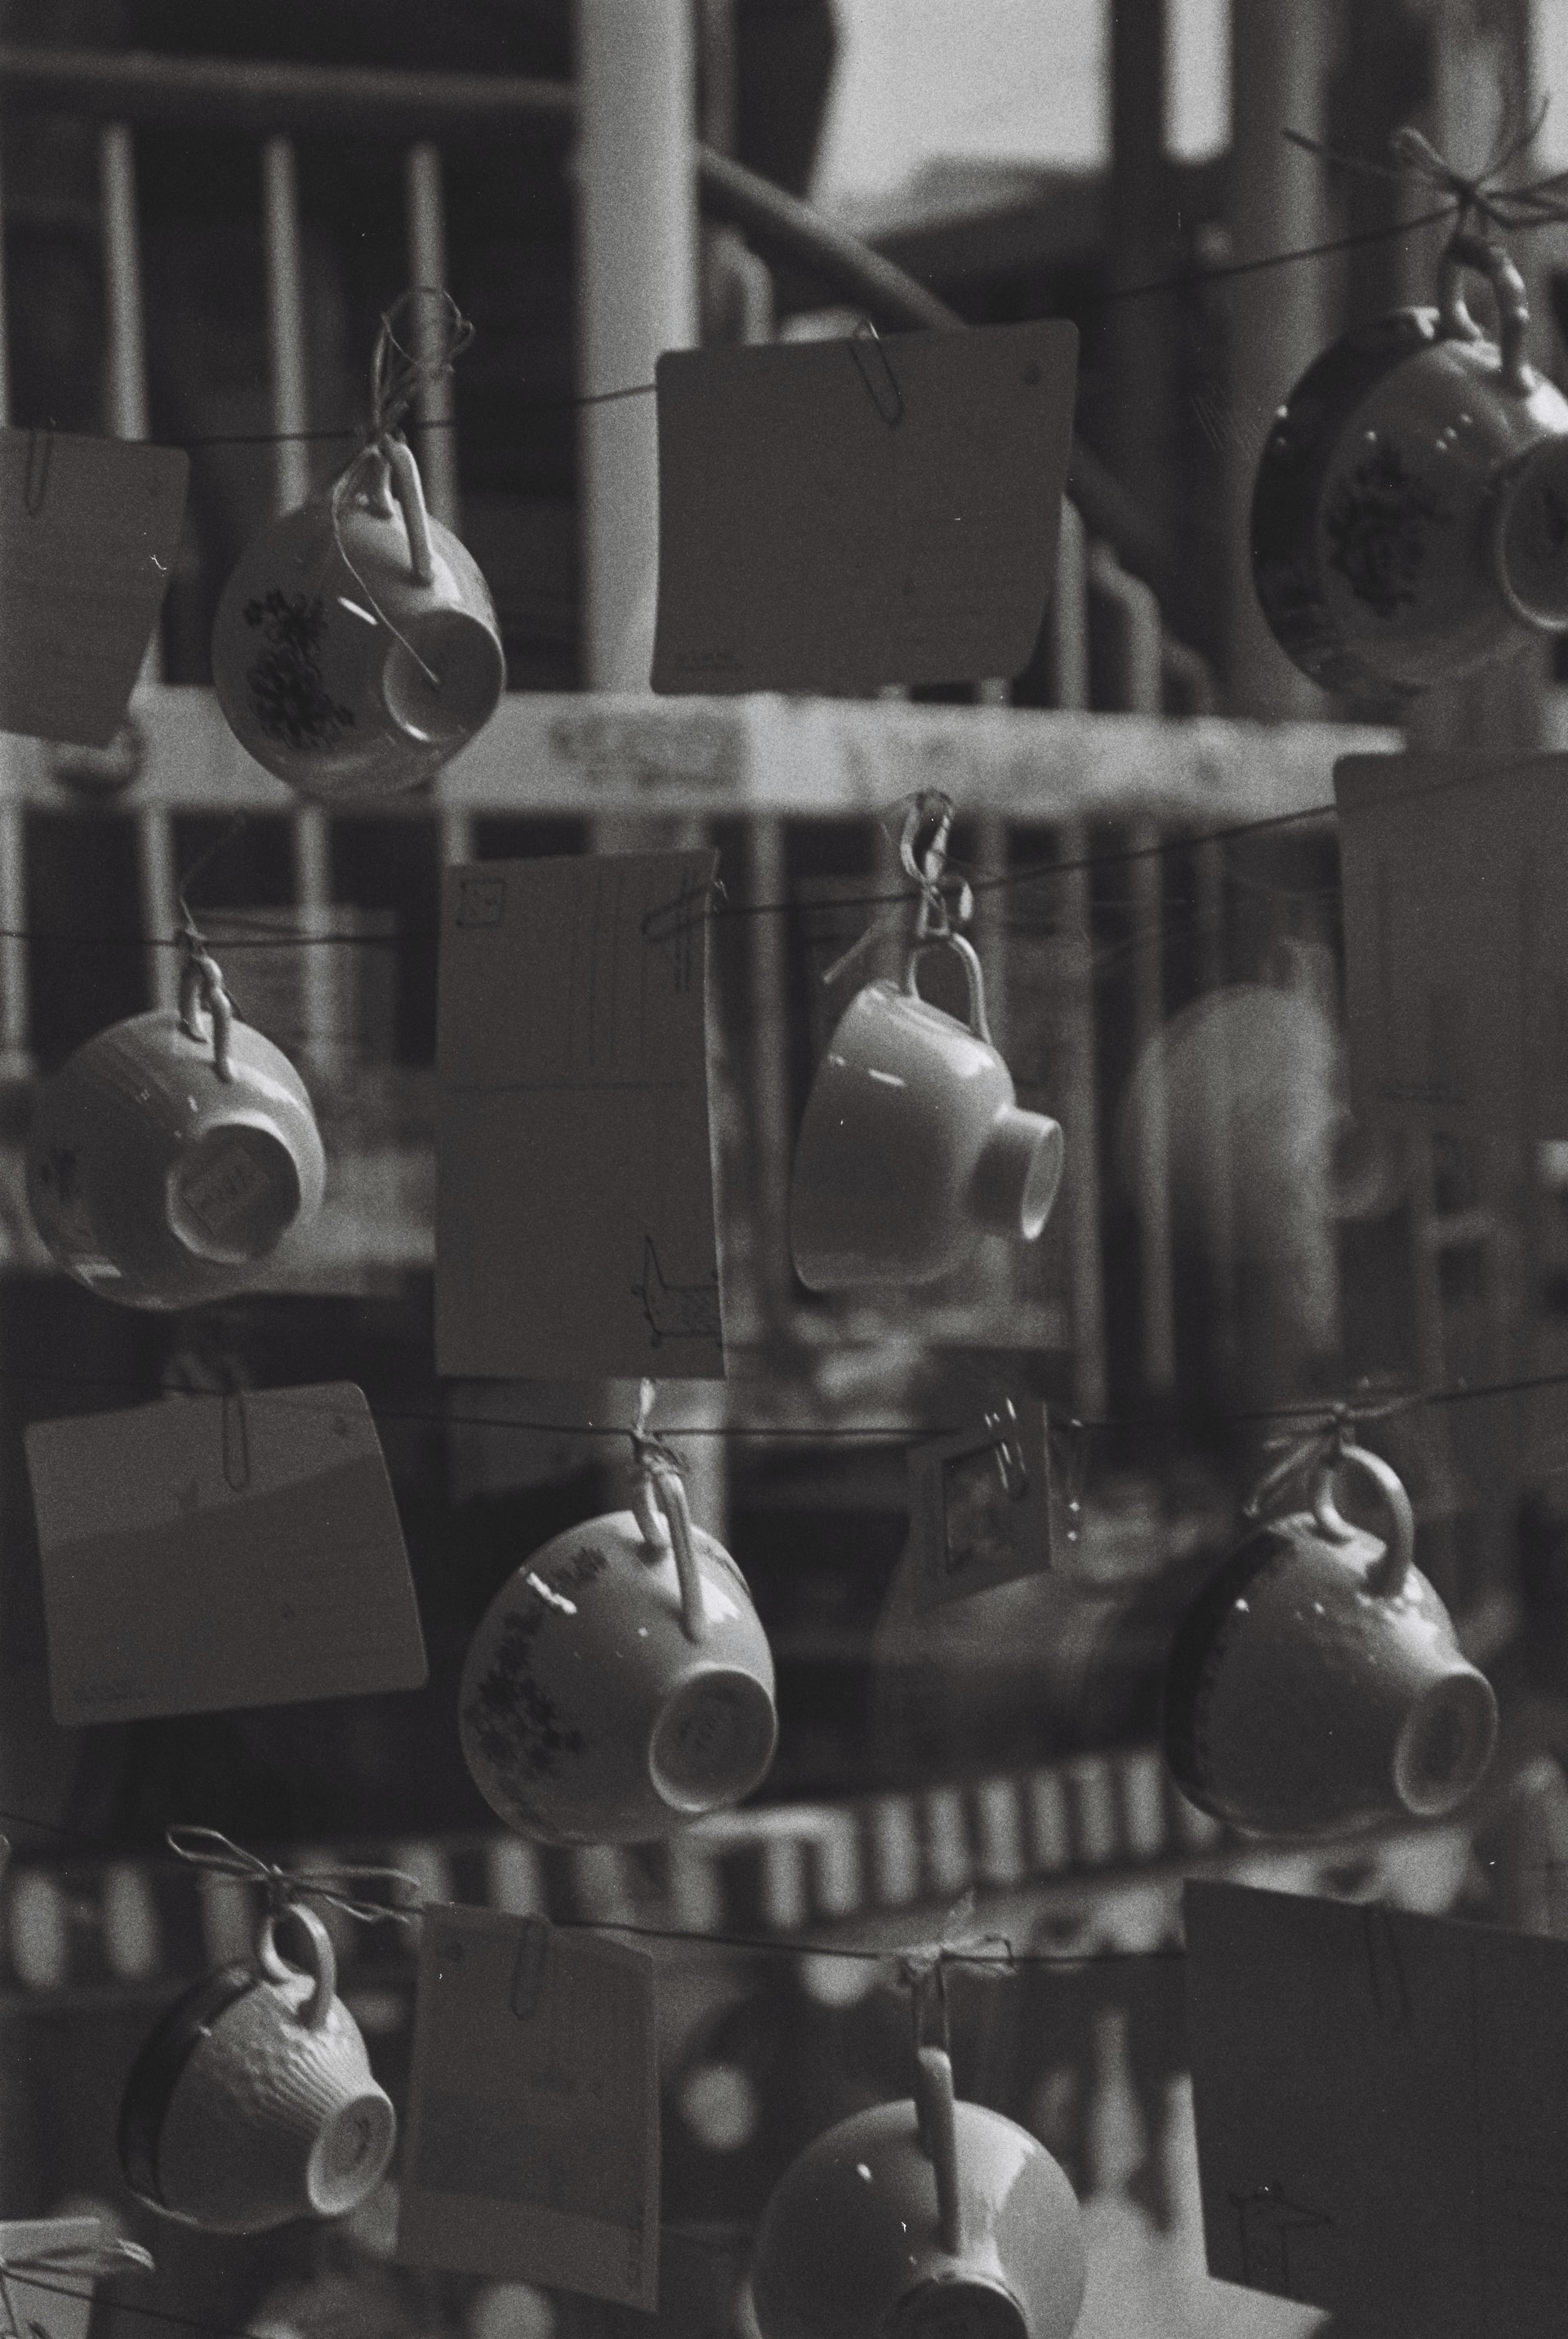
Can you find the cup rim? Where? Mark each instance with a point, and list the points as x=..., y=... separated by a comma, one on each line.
x=160, y=2065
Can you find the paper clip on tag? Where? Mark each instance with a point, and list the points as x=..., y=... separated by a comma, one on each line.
x=866, y=348
x=981, y=1505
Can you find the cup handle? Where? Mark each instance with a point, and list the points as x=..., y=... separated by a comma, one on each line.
x=938, y=2127
x=1454, y=322
x=972, y=972
x=1388, y=1578
x=408, y=489
x=665, y=1518
x=323, y=1969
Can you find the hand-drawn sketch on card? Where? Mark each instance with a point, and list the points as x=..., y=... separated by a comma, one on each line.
x=838, y=515
x=1379, y=2108
x=981, y=1503
x=533, y=2121
x=1456, y=942
x=89, y=529
x=574, y=1229
x=210, y=1553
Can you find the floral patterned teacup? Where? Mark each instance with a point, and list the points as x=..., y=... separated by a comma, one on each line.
x=1410, y=519
x=356, y=647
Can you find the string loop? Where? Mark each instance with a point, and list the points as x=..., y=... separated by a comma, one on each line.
x=203, y=993
x=1310, y=1450
x=206, y=1847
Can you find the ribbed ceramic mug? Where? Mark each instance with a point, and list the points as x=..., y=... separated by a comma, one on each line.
x=620, y=1685
x=913, y=1144
x=925, y=2220
x=1410, y=518
x=356, y=646
x=171, y=1155
x=252, y=2103
x=1316, y=1685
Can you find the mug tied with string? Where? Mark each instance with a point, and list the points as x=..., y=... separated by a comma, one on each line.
x=253, y=2102
x=173, y=1153
x=356, y=647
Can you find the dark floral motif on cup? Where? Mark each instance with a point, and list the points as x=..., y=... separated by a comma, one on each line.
x=513, y=1719
x=1377, y=527
x=290, y=698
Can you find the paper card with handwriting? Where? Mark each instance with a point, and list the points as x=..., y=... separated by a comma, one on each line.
x=89, y=529
x=1382, y=2112
x=574, y=1229
x=209, y=1553
x=58, y=2305
x=1455, y=887
x=532, y=2151
x=981, y=1505
x=838, y=515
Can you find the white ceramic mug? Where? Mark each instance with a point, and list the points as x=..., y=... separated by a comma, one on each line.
x=925, y=2220
x=620, y=1685
x=913, y=1144
x=253, y=2102
x=356, y=646
x=1316, y=1685
x=171, y=1154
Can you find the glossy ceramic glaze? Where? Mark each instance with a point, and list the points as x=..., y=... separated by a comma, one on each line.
x=1410, y=518
x=156, y=1183
x=318, y=640
x=587, y=1713
x=252, y=2104
x=1302, y=1702
x=850, y=2246
x=914, y=1146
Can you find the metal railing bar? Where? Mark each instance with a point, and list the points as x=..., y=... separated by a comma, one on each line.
x=285, y=321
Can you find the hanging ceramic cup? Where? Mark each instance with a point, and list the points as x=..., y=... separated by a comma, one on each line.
x=252, y=2103
x=914, y=1144
x=1316, y=1685
x=925, y=2220
x=1410, y=518
x=356, y=647
x=619, y=1684
x=172, y=1152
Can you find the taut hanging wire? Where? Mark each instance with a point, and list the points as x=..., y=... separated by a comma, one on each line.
x=204, y=1848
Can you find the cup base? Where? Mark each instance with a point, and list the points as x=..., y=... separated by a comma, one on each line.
x=712, y=1742
x=443, y=678
x=233, y=1194
x=1446, y=1745
x=957, y=2309
x=351, y=2154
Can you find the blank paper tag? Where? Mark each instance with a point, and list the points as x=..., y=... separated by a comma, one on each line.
x=838, y=515
x=981, y=1509
x=574, y=1235
x=1381, y=2109
x=89, y=529
x=59, y=2304
x=533, y=2124
x=208, y=1553
x=1455, y=880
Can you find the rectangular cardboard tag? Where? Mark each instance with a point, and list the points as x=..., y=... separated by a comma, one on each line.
x=1382, y=2111
x=532, y=2152
x=981, y=1501
x=89, y=529
x=1456, y=884
x=575, y=1231
x=834, y=516
x=58, y=2305
x=209, y=1553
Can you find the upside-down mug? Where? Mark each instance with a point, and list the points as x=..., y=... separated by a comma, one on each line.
x=356, y=646
x=913, y=1144
x=925, y=2220
x=620, y=1684
x=172, y=1154
x=253, y=2102
x=1410, y=518
x=1316, y=1685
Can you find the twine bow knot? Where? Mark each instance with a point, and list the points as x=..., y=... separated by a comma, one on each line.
x=1306, y=1451
x=398, y=374
x=204, y=1848
x=1474, y=195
